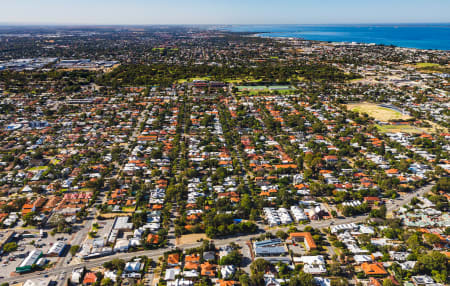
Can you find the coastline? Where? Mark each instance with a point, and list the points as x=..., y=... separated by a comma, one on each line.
x=416, y=37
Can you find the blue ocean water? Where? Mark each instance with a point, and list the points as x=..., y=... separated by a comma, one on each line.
x=420, y=36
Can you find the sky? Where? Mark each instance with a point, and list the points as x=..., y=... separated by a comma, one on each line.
x=146, y=12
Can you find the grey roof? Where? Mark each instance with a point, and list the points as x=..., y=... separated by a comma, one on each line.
x=269, y=242
x=270, y=250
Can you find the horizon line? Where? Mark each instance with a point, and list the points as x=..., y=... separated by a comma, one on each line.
x=218, y=24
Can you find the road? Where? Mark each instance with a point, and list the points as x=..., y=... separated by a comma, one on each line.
x=154, y=254
x=81, y=235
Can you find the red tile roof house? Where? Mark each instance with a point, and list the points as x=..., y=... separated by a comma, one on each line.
x=374, y=269
x=330, y=159
x=304, y=237
x=90, y=278
x=208, y=269
x=372, y=200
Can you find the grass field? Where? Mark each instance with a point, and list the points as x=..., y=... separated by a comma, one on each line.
x=38, y=168
x=399, y=128
x=192, y=79
x=376, y=111
x=55, y=161
x=426, y=65
x=431, y=67
x=128, y=209
x=256, y=89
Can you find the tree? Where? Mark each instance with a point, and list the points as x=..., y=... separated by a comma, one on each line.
x=339, y=282
x=413, y=241
x=433, y=261
x=107, y=282
x=74, y=249
x=335, y=269
x=257, y=279
x=259, y=265
x=10, y=247
x=244, y=279
x=115, y=264
x=431, y=238
x=29, y=218
x=302, y=279
x=233, y=258
x=281, y=234
x=388, y=282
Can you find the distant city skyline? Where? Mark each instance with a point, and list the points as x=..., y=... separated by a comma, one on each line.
x=141, y=12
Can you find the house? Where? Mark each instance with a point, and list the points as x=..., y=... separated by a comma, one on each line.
x=408, y=265
x=372, y=200
x=173, y=259
x=195, y=258
x=362, y=258
x=111, y=275
x=312, y=264
x=191, y=274
x=221, y=282
x=422, y=280
x=330, y=159
x=180, y=282
x=132, y=270
x=90, y=278
x=152, y=238
x=77, y=274
x=208, y=269
x=304, y=237
x=374, y=269
x=171, y=273
x=209, y=255
x=122, y=245
x=321, y=281
x=227, y=271
x=271, y=281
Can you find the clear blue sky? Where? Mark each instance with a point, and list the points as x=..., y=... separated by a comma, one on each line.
x=223, y=11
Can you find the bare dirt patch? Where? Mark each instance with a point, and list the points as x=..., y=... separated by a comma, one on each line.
x=190, y=238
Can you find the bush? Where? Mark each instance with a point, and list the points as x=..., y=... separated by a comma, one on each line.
x=10, y=247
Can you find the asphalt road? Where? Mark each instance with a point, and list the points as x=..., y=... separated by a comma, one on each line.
x=154, y=254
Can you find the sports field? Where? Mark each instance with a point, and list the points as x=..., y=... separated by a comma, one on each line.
x=399, y=128
x=377, y=112
x=262, y=89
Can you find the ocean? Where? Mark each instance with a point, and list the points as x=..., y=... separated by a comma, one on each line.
x=419, y=36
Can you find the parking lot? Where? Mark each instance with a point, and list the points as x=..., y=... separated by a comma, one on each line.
x=9, y=261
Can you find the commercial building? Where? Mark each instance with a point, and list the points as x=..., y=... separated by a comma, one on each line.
x=29, y=261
